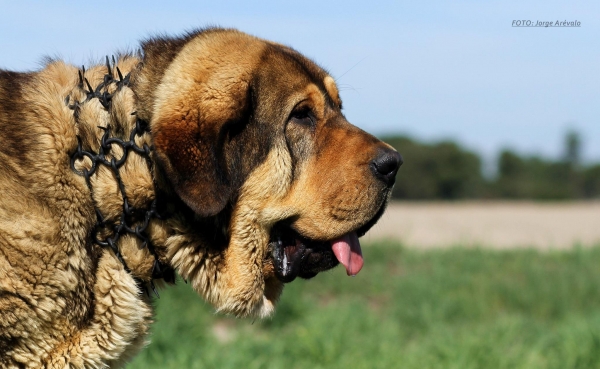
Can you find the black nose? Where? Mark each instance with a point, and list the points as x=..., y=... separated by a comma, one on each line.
x=386, y=164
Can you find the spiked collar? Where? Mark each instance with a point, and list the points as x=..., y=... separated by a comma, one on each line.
x=132, y=220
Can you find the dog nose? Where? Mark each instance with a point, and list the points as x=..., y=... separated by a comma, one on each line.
x=386, y=164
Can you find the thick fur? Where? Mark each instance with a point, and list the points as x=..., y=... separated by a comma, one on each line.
x=228, y=157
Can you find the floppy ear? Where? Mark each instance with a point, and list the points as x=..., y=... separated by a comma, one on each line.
x=190, y=145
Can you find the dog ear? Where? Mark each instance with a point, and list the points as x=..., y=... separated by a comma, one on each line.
x=190, y=145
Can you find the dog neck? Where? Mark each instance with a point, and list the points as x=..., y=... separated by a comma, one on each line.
x=184, y=241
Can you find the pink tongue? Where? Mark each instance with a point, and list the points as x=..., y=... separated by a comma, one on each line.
x=347, y=251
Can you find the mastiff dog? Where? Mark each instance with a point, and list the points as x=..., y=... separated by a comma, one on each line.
x=217, y=155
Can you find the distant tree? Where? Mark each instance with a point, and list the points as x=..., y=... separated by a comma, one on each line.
x=572, y=148
x=591, y=182
x=436, y=171
x=533, y=178
x=573, y=170
x=512, y=176
x=510, y=165
x=446, y=171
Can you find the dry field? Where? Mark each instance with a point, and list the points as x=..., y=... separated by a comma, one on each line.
x=557, y=225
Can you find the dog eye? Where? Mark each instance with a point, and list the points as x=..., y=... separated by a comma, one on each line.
x=303, y=117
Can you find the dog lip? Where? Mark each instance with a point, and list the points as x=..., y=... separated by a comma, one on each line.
x=297, y=256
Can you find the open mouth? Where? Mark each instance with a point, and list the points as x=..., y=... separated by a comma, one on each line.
x=297, y=256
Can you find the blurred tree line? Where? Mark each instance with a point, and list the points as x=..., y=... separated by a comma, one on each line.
x=446, y=171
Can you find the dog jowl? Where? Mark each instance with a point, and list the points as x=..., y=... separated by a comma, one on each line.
x=218, y=155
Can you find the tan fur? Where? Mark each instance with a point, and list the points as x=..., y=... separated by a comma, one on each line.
x=228, y=157
x=332, y=90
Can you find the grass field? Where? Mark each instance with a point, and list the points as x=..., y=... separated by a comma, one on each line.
x=450, y=308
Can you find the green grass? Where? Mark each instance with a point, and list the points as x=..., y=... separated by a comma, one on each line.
x=454, y=308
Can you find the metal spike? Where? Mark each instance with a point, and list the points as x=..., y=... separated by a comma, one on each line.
x=108, y=66
x=91, y=90
x=82, y=76
x=156, y=272
x=120, y=75
x=154, y=289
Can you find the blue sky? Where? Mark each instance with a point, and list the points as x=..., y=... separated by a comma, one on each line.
x=434, y=70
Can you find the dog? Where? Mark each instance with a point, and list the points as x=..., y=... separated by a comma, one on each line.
x=217, y=155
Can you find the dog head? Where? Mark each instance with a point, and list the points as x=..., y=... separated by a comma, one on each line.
x=254, y=130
